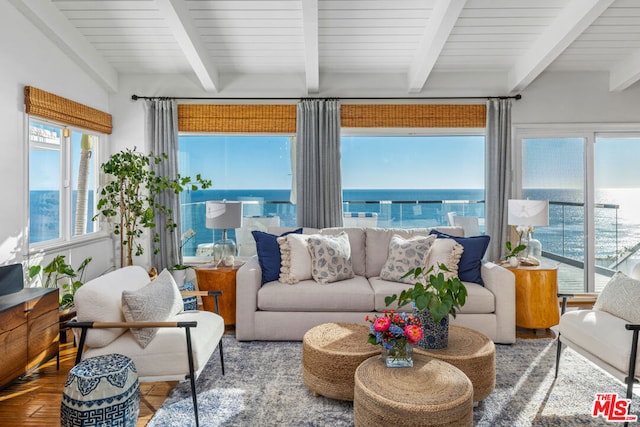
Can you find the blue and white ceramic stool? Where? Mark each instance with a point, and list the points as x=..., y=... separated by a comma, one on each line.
x=101, y=391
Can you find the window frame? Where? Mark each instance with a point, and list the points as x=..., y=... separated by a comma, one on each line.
x=66, y=239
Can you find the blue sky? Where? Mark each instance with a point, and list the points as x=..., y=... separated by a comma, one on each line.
x=239, y=162
x=367, y=162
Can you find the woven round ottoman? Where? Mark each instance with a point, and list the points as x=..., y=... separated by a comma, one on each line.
x=431, y=393
x=331, y=352
x=101, y=391
x=471, y=352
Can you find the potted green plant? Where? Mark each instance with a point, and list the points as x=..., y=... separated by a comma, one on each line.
x=513, y=252
x=131, y=199
x=434, y=297
x=59, y=274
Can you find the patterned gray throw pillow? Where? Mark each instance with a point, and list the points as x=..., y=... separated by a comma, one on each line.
x=155, y=302
x=330, y=258
x=405, y=255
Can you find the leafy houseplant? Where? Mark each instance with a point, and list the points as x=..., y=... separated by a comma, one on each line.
x=432, y=292
x=434, y=298
x=58, y=272
x=131, y=198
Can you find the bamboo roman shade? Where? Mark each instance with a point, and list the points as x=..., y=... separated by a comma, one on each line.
x=43, y=104
x=237, y=118
x=413, y=116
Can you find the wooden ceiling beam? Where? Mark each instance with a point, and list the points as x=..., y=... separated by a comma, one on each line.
x=176, y=14
x=311, y=53
x=625, y=73
x=442, y=20
x=569, y=24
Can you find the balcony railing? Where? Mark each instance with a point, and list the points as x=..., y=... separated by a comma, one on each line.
x=562, y=240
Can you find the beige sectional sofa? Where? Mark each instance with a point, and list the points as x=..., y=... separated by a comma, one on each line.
x=281, y=311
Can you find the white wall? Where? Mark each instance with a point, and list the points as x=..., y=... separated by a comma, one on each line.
x=563, y=97
x=29, y=58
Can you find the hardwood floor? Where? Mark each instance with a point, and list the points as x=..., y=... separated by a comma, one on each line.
x=35, y=400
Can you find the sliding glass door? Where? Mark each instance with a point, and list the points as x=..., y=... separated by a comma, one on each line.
x=617, y=205
x=553, y=169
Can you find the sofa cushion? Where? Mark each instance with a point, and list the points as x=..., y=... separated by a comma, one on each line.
x=349, y=295
x=620, y=297
x=479, y=299
x=296, y=259
x=155, y=302
x=405, y=255
x=100, y=300
x=377, y=244
x=447, y=252
x=330, y=258
x=601, y=333
x=357, y=244
x=269, y=253
x=471, y=260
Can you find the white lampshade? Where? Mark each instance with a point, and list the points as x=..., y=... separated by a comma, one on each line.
x=223, y=215
x=532, y=213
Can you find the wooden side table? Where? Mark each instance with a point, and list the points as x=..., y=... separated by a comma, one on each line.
x=219, y=279
x=536, y=296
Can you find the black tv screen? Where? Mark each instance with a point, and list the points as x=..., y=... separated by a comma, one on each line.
x=11, y=279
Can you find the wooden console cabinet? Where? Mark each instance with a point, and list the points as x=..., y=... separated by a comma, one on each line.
x=29, y=331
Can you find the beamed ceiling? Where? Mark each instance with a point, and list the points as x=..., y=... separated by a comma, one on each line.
x=215, y=41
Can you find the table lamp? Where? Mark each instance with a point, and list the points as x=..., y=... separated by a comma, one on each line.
x=529, y=214
x=223, y=215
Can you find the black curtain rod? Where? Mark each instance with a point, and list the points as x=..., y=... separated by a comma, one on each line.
x=137, y=97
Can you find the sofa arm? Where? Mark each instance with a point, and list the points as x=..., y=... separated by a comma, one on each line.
x=502, y=284
x=248, y=282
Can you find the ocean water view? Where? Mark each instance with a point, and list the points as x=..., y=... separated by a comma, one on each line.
x=617, y=214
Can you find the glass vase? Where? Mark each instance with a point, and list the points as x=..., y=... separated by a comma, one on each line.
x=398, y=356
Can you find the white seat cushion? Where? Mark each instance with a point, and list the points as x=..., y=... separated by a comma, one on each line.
x=601, y=334
x=353, y=294
x=166, y=355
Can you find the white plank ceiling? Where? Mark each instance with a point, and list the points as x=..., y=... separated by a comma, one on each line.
x=516, y=39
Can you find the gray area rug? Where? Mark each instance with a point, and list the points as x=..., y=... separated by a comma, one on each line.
x=263, y=386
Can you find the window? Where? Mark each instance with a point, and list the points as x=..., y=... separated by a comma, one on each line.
x=249, y=168
x=412, y=181
x=62, y=182
x=592, y=184
x=383, y=177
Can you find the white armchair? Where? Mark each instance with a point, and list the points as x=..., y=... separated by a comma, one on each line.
x=607, y=335
x=182, y=344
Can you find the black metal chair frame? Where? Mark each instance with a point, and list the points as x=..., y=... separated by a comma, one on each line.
x=85, y=326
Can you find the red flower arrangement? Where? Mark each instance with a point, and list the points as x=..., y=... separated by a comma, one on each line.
x=394, y=330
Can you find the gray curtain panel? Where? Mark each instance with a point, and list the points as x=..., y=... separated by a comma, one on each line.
x=161, y=120
x=499, y=174
x=318, y=178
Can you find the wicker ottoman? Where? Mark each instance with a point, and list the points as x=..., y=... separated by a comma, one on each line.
x=331, y=352
x=471, y=352
x=101, y=391
x=431, y=393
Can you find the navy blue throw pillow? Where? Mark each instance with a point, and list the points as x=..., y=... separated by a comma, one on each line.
x=269, y=253
x=471, y=260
